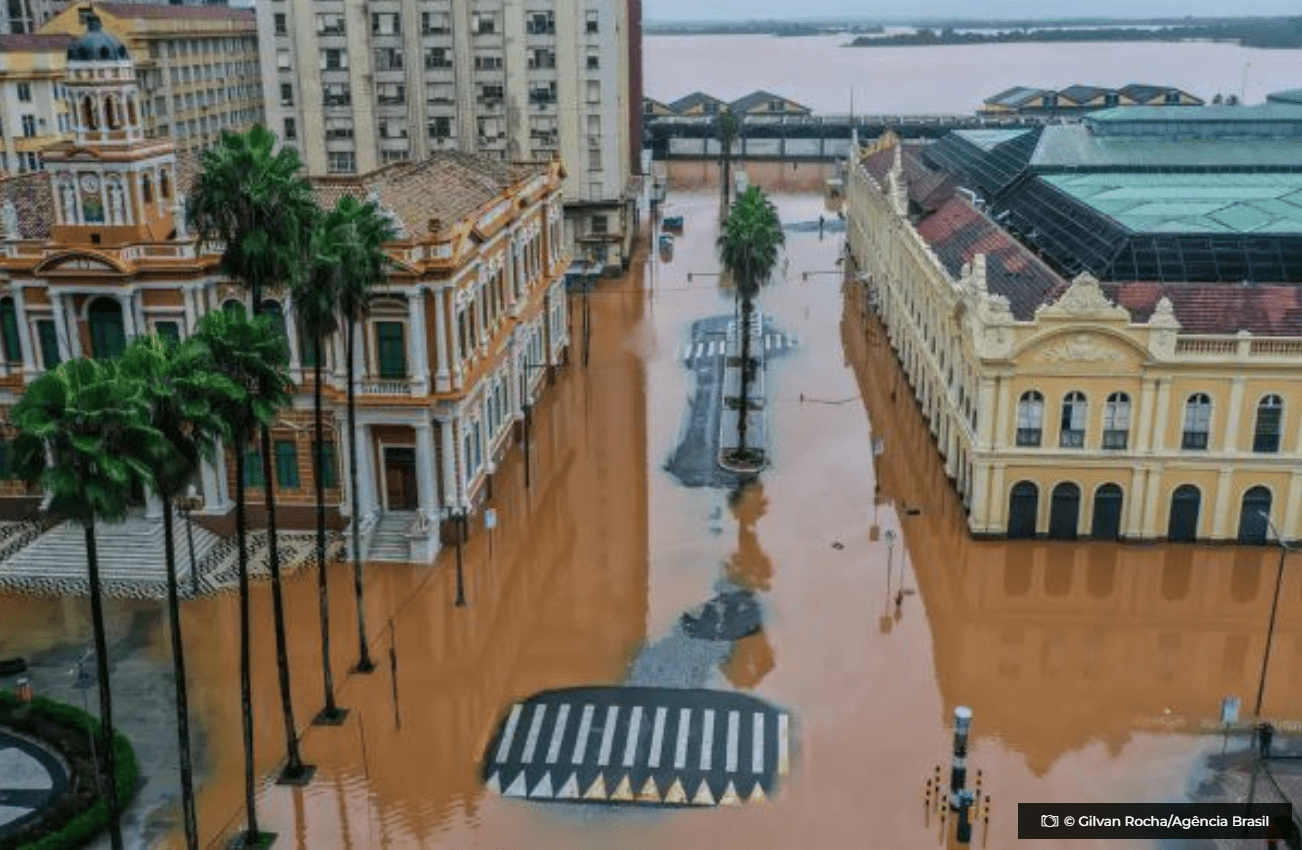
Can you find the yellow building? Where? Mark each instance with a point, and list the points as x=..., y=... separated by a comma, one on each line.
x=455, y=345
x=33, y=110
x=198, y=65
x=1064, y=407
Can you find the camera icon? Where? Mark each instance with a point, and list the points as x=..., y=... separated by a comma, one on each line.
x=1048, y=820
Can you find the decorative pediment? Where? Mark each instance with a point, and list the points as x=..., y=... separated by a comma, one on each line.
x=1084, y=299
x=1071, y=351
x=78, y=262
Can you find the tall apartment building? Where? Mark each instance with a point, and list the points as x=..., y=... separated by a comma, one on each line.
x=197, y=66
x=33, y=108
x=26, y=17
x=356, y=85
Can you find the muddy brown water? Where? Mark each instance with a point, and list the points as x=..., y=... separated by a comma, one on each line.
x=1088, y=667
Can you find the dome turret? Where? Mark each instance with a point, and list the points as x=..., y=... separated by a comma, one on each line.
x=96, y=45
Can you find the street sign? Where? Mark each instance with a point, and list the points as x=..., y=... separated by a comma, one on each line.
x=1230, y=710
x=490, y=519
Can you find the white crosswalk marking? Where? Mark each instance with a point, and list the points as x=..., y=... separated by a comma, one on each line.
x=734, y=732
x=634, y=726
x=657, y=738
x=585, y=727
x=687, y=352
x=700, y=347
x=508, y=734
x=713, y=347
x=684, y=724
x=558, y=734
x=783, y=723
x=608, y=735
x=757, y=745
x=707, y=740
x=768, y=342
x=535, y=728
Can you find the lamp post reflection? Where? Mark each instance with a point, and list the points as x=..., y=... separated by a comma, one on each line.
x=191, y=501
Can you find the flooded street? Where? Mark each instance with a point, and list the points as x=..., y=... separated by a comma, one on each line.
x=1094, y=671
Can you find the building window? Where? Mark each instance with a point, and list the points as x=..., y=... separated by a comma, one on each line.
x=1030, y=418
x=594, y=59
x=1072, y=433
x=388, y=59
x=435, y=23
x=438, y=57
x=330, y=23
x=341, y=162
x=334, y=59
x=385, y=23
x=591, y=22
x=488, y=62
x=338, y=129
x=29, y=126
x=9, y=326
x=594, y=91
x=542, y=57
x=282, y=61
x=440, y=127
x=169, y=331
x=1110, y=100
x=483, y=23
x=1197, y=421
x=594, y=159
x=286, y=464
x=24, y=92
x=1270, y=412
x=329, y=467
x=49, y=339
x=599, y=225
x=391, y=94
x=391, y=349
x=291, y=129
x=336, y=94
x=281, y=27
x=252, y=468
x=540, y=23
x=1116, y=421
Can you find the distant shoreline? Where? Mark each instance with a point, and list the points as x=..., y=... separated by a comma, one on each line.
x=1275, y=33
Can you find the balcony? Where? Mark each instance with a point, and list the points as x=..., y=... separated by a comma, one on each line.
x=385, y=386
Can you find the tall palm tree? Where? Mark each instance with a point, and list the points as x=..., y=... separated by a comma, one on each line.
x=316, y=304
x=183, y=391
x=363, y=265
x=252, y=354
x=749, y=240
x=726, y=128
x=86, y=438
x=255, y=201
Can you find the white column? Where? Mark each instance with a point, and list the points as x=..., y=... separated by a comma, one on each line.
x=428, y=495
x=191, y=320
x=128, y=315
x=138, y=307
x=1292, y=504
x=456, y=338
x=1233, y=414
x=1221, y=514
x=987, y=393
x=208, y=480
x=338, y=344
x=291, y=336
x=1145, y=411
x=1152, y=498
x=74, y=329
x=153, y=506
x=1135, y=501
x=419, y=354
x=59, y=313
x=366, y=491
x=1158, y=441
x=24, y=333
x=442, y=343
x=447, y=432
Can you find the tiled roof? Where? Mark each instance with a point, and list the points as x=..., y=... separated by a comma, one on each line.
x=449, y=186
x=688, y=101
x=957, y=232
x=34, y=201
x=156, y=11
x=52, y=43
x=1081, y=94
x=760, y=98
x=1016, y=96
x=1216, y=308
x=928, y=188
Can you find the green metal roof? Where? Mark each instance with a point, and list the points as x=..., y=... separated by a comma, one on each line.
x=1286, y=96
x=1191, y=203
x=987, y=140
x=1162, y=114
x=1074, y=146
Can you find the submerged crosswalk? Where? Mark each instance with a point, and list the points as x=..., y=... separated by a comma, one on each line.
x=705, y=353
x=640, y=745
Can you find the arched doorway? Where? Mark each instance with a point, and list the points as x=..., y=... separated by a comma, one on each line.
x=1106, y=524
x=1064, y=512
x=108, y=337
x=1023, y=507
x=1253, y=515
x=1185, y=502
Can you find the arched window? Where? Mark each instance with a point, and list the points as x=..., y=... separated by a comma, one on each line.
x=9, y=327
x=1254, y=515
x=1270, y=413
x=1030, y=418
x=272, y=309
x=1072, y=433
x=1116, y=421
x=1064, y=511
x=1023, y=510
x=1106, y=524
x=88, y=114
x=107, y=336
x=232, y=306
x=164, y=185
x=131, y=110
x=1197, y=421
x=1183, y=524
x=147, y=188
x=111, y=117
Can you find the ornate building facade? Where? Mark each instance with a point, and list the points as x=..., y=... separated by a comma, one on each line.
x=456, y=343
x=1133, y=410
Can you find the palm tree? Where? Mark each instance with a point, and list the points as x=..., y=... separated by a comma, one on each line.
x=86, y=438
x=363, y=264
x=726, y=127
x=252, y=354
x=316, y=302
x=255, y=201
x=182, y=391
x=749, y=239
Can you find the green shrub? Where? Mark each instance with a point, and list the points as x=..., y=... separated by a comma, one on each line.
x=80, y=814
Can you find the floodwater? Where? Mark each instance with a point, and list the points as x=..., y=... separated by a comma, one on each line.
x=830, y=78
x=1090, y=669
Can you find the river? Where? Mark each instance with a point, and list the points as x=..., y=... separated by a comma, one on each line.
x=825, y=75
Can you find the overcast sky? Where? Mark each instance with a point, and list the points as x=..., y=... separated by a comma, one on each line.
x=685, y=10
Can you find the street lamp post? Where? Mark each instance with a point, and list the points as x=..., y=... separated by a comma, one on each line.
x=185, y=504
x=82, y=681
x=526, y=407
x=459, y=516
x=1274, y=608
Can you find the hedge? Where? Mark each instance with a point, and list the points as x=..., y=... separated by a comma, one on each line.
x=80, y=814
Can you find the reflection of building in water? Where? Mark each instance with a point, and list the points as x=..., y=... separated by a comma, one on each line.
x=1055, y=645
x=1157, y=404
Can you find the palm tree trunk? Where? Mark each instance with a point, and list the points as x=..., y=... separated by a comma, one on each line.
x=293, y=759
x=107, y=751
x=178, y=673
x=746, y=307
x=246, y=673
x=323, y=592
x=364, y=662
x=726, y=156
